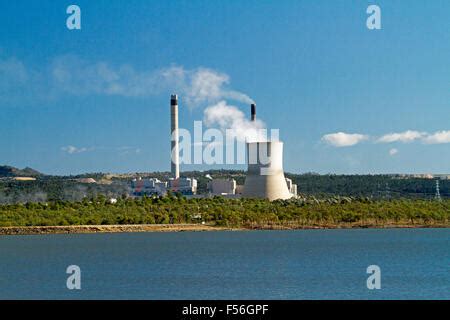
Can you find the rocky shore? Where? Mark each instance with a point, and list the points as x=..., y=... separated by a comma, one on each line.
x=198, y=227
x=107, y=229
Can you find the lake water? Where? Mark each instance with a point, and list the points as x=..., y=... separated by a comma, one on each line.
x=304, y=264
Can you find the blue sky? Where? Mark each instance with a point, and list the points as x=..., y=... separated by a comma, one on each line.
x=312, y=67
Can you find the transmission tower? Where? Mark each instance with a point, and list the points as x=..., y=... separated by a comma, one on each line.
x=388, y=191
x=438, y=193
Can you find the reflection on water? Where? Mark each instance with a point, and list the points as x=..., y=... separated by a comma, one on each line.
x=304, y=264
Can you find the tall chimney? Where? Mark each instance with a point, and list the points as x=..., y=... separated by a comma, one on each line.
x=175, y=163
x=253, y=107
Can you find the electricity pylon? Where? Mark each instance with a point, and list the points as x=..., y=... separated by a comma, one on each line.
x=438, y=193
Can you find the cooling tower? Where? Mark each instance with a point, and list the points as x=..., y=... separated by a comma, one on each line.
x=175, y=161
x=265, y=176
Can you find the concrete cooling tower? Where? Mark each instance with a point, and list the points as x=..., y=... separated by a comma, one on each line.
x=265, y=176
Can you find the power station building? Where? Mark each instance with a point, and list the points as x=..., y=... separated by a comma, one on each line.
x=264, y=179
x=222, y=187
x=148, y=187
x=183, y=185
x=265, y=176
x=186, y=186
x=292, y=187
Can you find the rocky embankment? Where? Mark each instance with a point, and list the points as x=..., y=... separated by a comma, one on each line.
x=200, y=227
x=107, y=229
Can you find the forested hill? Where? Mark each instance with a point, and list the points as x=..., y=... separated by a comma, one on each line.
x=8, y=171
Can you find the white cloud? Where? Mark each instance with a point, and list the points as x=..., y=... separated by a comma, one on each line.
x=13, y=70
x=407, y=136
x=412, y=135
x=126, y=150
x=342, y=139
x=20, y=84
x=71, y=75
x=123, y=150
x=437, y=137
x=393, y=152
x=72, y=150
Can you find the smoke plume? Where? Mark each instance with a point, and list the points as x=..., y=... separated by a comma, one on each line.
x=69, y=75
x=228, y=117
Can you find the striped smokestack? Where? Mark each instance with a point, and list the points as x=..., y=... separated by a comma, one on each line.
x=175, y=163
x=253, y=111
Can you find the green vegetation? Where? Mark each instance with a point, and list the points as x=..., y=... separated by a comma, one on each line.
x=50, y=188
x=69, y=188
x=376, y=186
x=327, y=201
x=250, y=213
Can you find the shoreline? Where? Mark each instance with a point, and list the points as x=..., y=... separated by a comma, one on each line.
x=131, y=228
x=76, y=229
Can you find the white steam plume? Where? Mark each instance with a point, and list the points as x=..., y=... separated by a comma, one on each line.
x=197, y=86
x=206, y=85
x=70, y=75
x=228, y=117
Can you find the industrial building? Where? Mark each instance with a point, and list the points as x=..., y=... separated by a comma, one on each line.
x=186, y=186
x=292, y=187
x=148, y=187
x=265, y=177
x=154, y=187
x=222, y=187
x=183, y=185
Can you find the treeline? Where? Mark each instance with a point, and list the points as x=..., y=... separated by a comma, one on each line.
x=252, y=213
x=51, y=188
x=377, y=187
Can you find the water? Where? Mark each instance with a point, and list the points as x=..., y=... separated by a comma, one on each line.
x=305, y=264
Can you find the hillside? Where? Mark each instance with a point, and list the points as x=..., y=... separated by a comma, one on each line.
x=8, y=171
